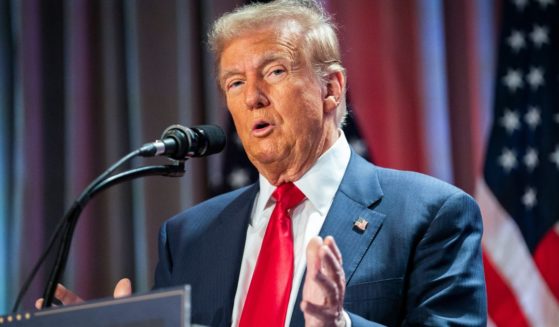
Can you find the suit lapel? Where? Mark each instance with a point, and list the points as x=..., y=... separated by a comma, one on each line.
x=358, y=192
x=231, y=236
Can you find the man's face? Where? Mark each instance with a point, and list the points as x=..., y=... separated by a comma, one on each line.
x=277, y=103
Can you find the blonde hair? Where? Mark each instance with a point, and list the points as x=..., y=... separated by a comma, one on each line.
x=320, y=42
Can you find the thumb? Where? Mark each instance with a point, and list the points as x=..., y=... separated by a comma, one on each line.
x=313, y=259
x=39, y=304
x=123, y=288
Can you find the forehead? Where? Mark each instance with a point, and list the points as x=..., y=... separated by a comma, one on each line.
x=260, y=45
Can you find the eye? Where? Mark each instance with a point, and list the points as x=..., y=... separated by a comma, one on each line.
x=276, y=73
x=234, y=84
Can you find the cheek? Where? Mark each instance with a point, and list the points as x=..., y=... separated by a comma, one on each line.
x=236, y=112
x=309, y=111
x=304, y=100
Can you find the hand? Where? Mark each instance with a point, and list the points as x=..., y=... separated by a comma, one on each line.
x=123, y=288
x=324, y=287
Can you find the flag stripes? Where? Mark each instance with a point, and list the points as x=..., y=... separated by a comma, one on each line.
x=548, y=267
x=511, y=274
x=501, y=312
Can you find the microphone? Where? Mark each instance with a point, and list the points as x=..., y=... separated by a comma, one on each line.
x=181, y=143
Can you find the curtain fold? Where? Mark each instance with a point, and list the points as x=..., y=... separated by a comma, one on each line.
x=83, y=83
x=6, y=165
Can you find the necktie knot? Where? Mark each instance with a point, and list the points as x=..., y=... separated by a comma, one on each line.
x=288, y=196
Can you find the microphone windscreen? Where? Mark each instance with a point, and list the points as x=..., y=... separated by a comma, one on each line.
x=215, y=137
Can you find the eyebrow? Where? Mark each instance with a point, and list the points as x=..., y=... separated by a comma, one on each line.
x=263, y=61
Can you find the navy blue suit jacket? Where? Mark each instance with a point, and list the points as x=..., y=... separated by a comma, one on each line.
x=418, y=262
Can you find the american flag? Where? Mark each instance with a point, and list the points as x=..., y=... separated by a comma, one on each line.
x=519, y=191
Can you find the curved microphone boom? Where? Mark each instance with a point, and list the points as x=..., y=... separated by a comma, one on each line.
x=181, y=143
x=177, y=142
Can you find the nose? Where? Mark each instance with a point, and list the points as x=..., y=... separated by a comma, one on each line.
x=255, y=98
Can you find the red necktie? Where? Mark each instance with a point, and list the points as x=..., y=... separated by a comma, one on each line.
x=270, y=287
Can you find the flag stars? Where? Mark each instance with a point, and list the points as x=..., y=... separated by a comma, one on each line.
x=513, y=79
x=529, y=199
x=535, y=78
x=516, y=41
x=507, y=160
x=239, y=177
x=545, y=3
x=556, y=118
x=358, y=146
x=510, y=121
x=539, y=36
x=520, y=4
x=554, y=156
x=533, y=117
x=531, y=159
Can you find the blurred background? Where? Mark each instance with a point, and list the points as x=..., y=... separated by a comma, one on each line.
x=83, y=82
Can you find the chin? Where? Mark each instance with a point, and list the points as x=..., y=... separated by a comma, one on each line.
x=265, y=157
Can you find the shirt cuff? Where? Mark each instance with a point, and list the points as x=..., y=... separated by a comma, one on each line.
x=346, y=319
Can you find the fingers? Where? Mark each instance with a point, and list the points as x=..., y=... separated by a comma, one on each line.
x=328, y=289
x=331, y=277
x=39, y=304
x=313, y=257
x=324, y=288
x=331, y=243
x=324, y=262
x=331, y=259
x=63, y=295
x=123, y=288
x=66, y=296
x=319, y=312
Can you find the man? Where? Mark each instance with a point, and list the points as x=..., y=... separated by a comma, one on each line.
x=399, y=248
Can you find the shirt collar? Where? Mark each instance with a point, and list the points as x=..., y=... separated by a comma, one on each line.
x=319, y=184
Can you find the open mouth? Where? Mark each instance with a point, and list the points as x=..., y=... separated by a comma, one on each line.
x=261, y=125
x=261, y=128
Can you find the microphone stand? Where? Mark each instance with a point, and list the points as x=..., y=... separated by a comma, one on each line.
x=76, y=209
x=177, y=142
x=66, y=226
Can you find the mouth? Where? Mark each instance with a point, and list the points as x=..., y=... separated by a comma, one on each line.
x=261, y=128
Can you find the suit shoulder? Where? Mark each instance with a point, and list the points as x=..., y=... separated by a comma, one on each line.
x=418, y=189
x=391, y=188
x=403, y=180
x=420, y=203
x=212, y=207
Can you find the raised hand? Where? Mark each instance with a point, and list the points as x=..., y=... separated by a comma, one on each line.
x=324, y=288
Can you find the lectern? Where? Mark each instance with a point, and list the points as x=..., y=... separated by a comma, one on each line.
x=166, y=308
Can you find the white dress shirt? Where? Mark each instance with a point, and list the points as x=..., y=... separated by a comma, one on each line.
x=319, y=185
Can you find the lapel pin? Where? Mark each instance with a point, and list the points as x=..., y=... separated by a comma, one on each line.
x=360, y=224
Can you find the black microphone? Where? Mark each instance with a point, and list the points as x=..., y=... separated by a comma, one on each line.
x=180, y=143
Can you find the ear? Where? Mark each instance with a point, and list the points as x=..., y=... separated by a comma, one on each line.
x=335, y=83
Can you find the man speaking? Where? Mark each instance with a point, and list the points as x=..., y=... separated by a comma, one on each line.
x=324, y=238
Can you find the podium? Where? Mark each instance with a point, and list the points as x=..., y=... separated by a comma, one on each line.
x=165, y=308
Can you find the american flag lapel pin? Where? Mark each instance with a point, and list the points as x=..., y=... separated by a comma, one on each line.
x=360, y=224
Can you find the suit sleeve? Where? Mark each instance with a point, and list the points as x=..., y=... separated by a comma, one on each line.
x=446, y=285
x=164, y=265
